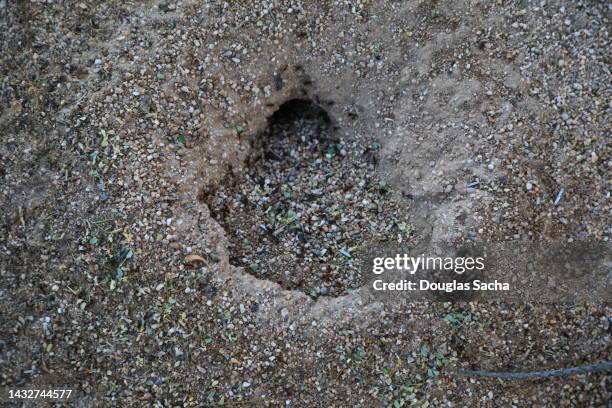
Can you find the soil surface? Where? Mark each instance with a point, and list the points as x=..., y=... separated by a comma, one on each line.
x=171, y=236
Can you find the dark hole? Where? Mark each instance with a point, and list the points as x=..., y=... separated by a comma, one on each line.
x=295, y=214
x=295, y=109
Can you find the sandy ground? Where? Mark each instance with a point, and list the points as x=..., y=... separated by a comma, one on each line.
x=118, y=119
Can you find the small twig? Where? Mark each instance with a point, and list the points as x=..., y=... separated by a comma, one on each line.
x=559, y=195
x=558, y=372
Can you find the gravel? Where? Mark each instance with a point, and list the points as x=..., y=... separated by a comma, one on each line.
x=115, y=115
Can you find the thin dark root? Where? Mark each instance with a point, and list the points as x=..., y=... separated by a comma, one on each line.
x=558, y=372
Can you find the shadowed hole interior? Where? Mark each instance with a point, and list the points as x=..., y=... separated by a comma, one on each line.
x=307, y=205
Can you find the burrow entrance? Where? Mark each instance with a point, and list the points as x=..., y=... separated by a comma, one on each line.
x=308, y=205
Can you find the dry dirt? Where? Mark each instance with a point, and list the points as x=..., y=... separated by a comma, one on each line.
x=126, y=126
